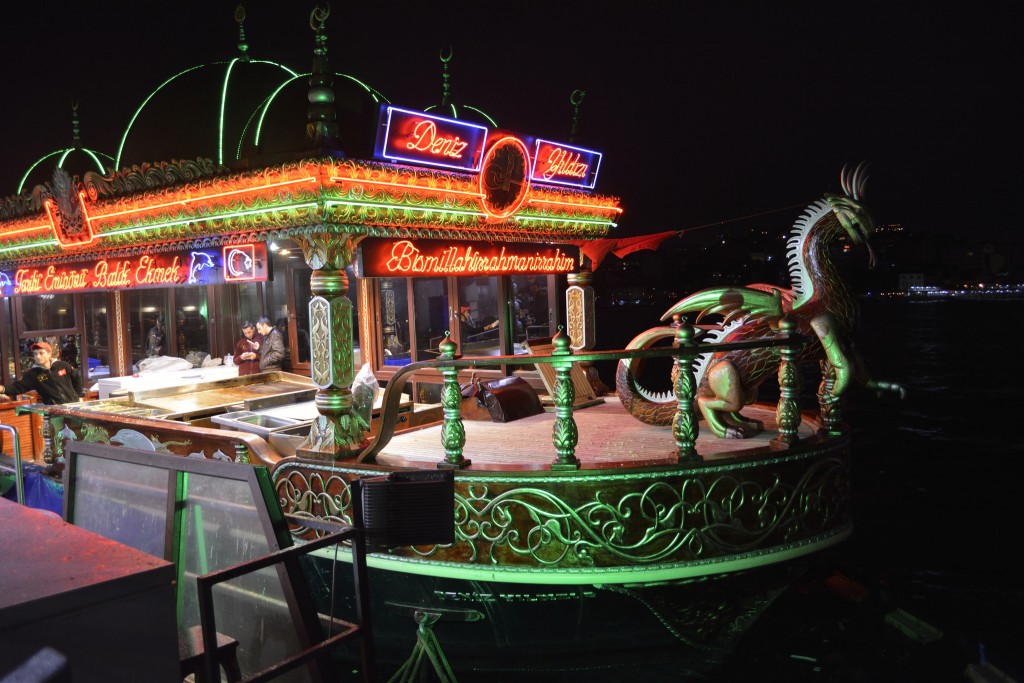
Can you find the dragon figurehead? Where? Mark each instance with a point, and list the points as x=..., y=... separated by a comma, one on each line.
x=817, y=299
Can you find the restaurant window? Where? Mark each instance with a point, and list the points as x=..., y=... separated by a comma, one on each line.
x=97, y=331
x=532, y=308
x=395, y=316
x=478, y=316
x=432, y=315
x=150, y=333
x=192, y=328
x=45, y=312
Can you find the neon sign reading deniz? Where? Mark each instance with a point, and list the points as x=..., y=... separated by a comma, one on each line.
x=429, y=140
x=196, y=267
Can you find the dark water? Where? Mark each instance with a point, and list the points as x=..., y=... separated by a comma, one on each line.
x=937, y=508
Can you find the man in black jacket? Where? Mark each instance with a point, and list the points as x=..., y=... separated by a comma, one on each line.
x=272, y=349
x=54, y=380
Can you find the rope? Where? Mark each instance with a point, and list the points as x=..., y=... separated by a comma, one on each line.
x=426, y=644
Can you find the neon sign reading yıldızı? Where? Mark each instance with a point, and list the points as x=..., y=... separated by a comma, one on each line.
x=407, y=259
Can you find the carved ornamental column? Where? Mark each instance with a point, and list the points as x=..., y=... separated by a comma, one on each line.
x=338, y=432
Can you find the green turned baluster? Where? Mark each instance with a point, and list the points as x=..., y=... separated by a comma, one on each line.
x=565, y=435
x=241, y=452
x=49, y=442
x=453, y=432
x=684, y=422
x=828, y=402
x=787, y=414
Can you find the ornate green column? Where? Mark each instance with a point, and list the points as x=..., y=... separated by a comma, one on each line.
x=684, y=423
x=338, y=432
x=565, y=434
x=787, y=413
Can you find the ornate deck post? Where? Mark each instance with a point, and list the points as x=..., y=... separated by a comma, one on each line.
x=684, y=422
x=565, y=434
x=828, y=402
x=787, y=414
x=453, y=432
x=338, y=432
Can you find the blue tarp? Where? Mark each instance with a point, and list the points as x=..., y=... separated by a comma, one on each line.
x=41, y=492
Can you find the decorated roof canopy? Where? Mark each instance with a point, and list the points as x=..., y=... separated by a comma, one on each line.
x=427, y=176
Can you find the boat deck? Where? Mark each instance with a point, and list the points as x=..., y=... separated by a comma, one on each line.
x=608, y=438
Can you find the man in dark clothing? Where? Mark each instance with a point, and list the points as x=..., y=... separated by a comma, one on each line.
x=54, y=380
x=272, y=349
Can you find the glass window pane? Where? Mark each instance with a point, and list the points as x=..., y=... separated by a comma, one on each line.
x=192, y=331
x=121, y=501
x=47, y=312
x=394, y=315
x=146, y=310
x=303, y=294
x=432, y=315
x=221, y=528
x=478, y=316
x=534, y=305
x=96, y=333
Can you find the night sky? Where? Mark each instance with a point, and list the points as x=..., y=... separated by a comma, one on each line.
x=705, y=111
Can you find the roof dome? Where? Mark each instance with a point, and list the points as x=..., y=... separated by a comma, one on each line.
x=234, y=111
x=76, y=160
x=279, y=125
x=200, y=112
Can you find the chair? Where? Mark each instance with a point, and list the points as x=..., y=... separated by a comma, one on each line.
x=218, y=522
x=192, y=655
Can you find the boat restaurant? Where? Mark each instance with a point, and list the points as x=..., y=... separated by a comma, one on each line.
x=408, y=257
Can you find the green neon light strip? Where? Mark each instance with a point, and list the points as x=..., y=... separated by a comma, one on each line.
x=206, y=219
x=45, y=243
x=24, y=178
x=594, y=221
x=223, y=106
x=266, y=107
x=135, y=116
x=577, y=576
x=404, y=207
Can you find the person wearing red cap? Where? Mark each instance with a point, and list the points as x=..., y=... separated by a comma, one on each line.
x=54, y=380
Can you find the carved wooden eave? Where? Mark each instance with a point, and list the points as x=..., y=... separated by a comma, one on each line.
x=174, y=205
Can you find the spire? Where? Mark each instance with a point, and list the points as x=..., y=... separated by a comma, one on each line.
x=445, y=78
x=322, y=127
x=243, y=46
x=575, y=99
x=75, y=139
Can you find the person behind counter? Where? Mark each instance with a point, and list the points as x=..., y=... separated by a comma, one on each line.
x=247, y=356
x=54, y=380
x=272, y=348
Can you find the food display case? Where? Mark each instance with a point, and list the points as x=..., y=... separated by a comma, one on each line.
x=205, y=399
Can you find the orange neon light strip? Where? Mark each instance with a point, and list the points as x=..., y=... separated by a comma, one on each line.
x=182, y=202
x=31, y=228
x=341, y=179
x=575, y=205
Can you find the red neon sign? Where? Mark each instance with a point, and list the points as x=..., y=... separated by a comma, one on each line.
x=505, y=177
x=420, y=138
x=561, y=164
x=413, y=258
x=199, y=267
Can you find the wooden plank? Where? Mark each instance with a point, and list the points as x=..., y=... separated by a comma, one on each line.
x=585, y=395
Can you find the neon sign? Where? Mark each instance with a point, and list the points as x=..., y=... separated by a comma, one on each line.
x=419, y=138
x=412, y=258
x=196, y=267
x=505, y=177
x=561, y=164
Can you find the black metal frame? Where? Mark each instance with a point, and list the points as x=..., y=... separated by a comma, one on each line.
x=277, y=535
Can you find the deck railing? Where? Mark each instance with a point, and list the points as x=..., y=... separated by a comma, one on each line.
x=564, y=435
